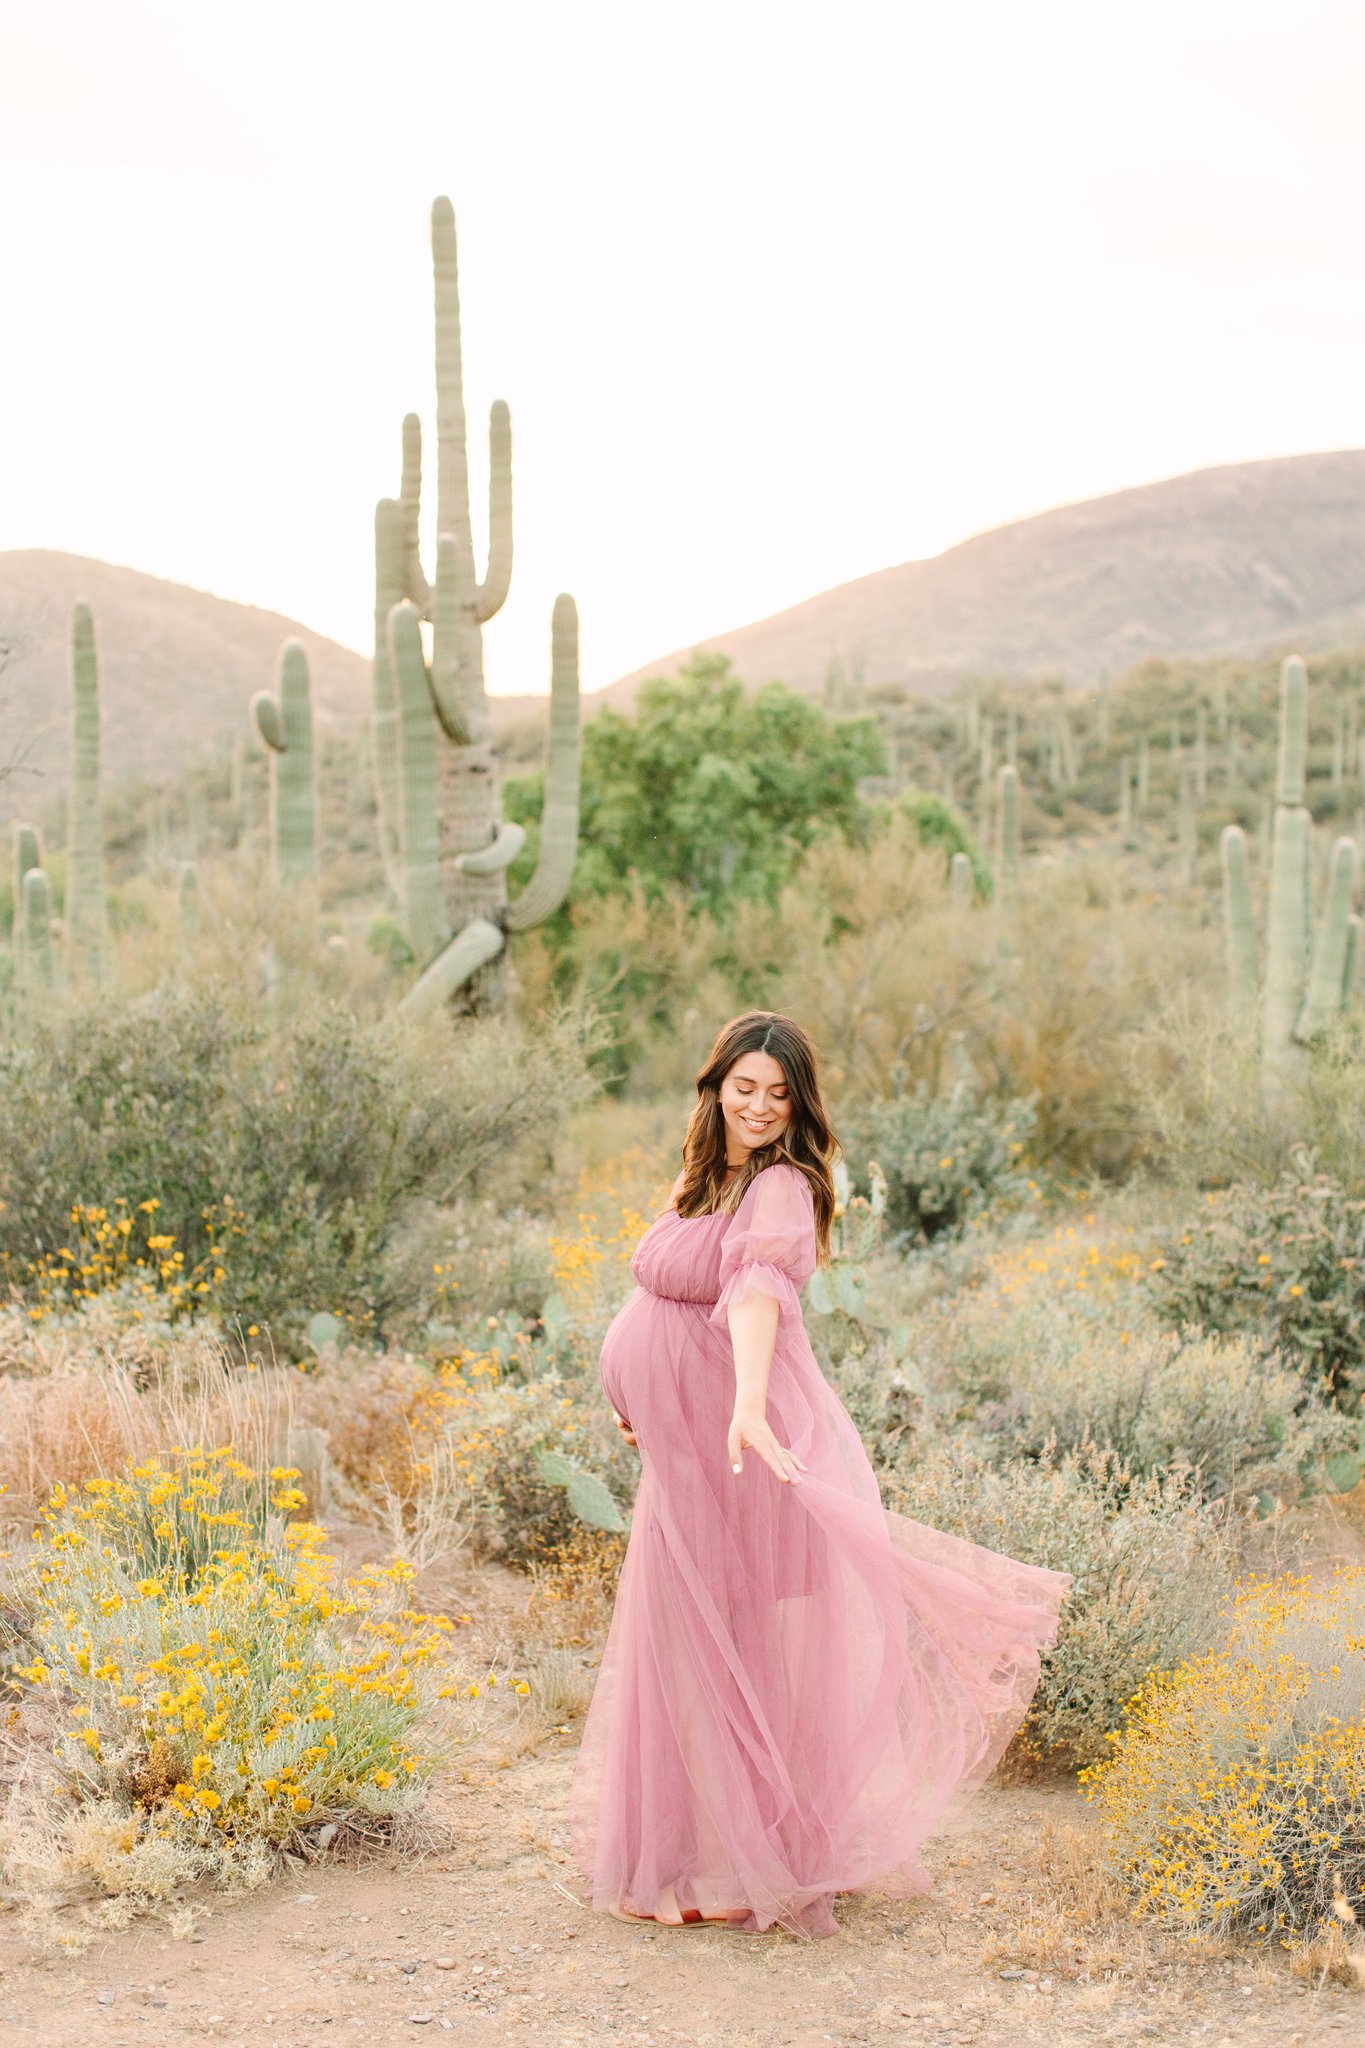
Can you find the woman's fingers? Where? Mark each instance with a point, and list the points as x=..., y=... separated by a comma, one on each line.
x=783, y=1462
x=625, y=1428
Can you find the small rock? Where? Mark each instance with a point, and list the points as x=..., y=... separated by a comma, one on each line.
x=408, y=1969
x=327, y=1835
x=305, y=1898
x=105, y=1994
x=421, y=2019
x=986, y=1899
x=1009, y=1976
x=445, y=1963
x=215, y=2019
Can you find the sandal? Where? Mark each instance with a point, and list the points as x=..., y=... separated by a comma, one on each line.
x=691, y=1917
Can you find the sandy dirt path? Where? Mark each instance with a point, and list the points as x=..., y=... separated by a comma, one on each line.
x=488, y=1942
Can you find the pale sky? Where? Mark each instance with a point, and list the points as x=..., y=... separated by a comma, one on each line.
x=778, y=293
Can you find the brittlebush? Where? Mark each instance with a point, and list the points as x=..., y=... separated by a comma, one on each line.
x=215, y=1675
x=1234, y=1797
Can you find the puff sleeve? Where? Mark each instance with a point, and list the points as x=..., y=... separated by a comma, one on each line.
x=769, y=1247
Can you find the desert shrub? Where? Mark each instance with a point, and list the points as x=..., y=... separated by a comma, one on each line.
x=1196, y=1075
x=1152, y=1563
x=1285, y=1263
x=940, y=827
x=708, y=788
x=282, y=1158
x=1234, y=1800
x=215, y=1681
x=1038, y=1001
x=1244, y=1423
x=1051, y=1338
x=945, y=1158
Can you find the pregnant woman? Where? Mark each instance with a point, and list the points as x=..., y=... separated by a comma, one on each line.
x=796, y=1682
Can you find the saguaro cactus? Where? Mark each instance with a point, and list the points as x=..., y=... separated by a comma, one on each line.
x=28, y=853
x=37, y=916
x=1307, y=981
x=285, y=727
x=85, y=908
x=1009, y=825
x=445, y=846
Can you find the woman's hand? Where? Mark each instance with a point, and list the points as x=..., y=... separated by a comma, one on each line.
x=750, y=1430
x=624, y=1428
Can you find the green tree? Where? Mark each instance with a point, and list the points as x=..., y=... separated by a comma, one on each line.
x=709, y=789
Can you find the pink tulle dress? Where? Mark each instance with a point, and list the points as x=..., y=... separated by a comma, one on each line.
x=796, y=1682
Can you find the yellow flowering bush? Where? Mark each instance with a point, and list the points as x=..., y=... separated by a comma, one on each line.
x=213, y=1673
x=1234, y=1796
x=120, y=1247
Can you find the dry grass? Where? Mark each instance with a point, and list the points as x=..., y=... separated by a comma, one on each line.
x=87, y=1409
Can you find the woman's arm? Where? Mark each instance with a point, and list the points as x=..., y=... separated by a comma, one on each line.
x=753, y=1333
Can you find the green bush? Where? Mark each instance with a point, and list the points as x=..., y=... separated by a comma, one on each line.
x=1152, y=1562
x=322, y=1133
x=945, y=1158
x=1284, y=1263
x=1065, y=1370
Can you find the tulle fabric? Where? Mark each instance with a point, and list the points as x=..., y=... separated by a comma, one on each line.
x=797, y=1683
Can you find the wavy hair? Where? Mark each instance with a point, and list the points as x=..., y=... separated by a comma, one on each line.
x=807, y=1143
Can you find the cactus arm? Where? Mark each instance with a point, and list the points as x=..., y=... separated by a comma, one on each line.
x=444, y=676
x=549, y=884
x=1348, y=965
x=499, y=854
x=415, y=585
x=265, y=713
x=388, y=591
x=492, y=592
x=1239, y=931
x=85, y=916
x=424, y=909
x=472, y=948
x=1323, y=1001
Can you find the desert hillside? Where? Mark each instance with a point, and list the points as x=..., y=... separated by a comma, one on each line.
x=178, y=668
x=1223, y=560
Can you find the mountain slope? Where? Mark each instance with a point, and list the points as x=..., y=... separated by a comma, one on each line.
x=178, y=669
x=1219, y=561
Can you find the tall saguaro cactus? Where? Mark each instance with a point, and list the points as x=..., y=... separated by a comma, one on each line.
x=445, y=846
x=285, y=727
x=1308, y=980
x=85, y=907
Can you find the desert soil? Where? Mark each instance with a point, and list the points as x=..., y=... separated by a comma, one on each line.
x=488, y=1938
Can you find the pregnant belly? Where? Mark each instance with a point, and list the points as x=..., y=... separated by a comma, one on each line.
x=643, y=1347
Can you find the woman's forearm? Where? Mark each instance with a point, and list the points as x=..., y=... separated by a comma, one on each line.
x=753, y=1333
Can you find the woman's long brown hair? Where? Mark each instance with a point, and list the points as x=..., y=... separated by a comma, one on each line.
x=807, y=1143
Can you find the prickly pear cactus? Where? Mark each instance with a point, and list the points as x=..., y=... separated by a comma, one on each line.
x=284, y=724
x=446, y=848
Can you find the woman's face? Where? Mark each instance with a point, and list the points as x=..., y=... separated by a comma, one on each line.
x=756, y=1105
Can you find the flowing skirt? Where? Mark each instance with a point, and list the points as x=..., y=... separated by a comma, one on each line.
x=797, y=1683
